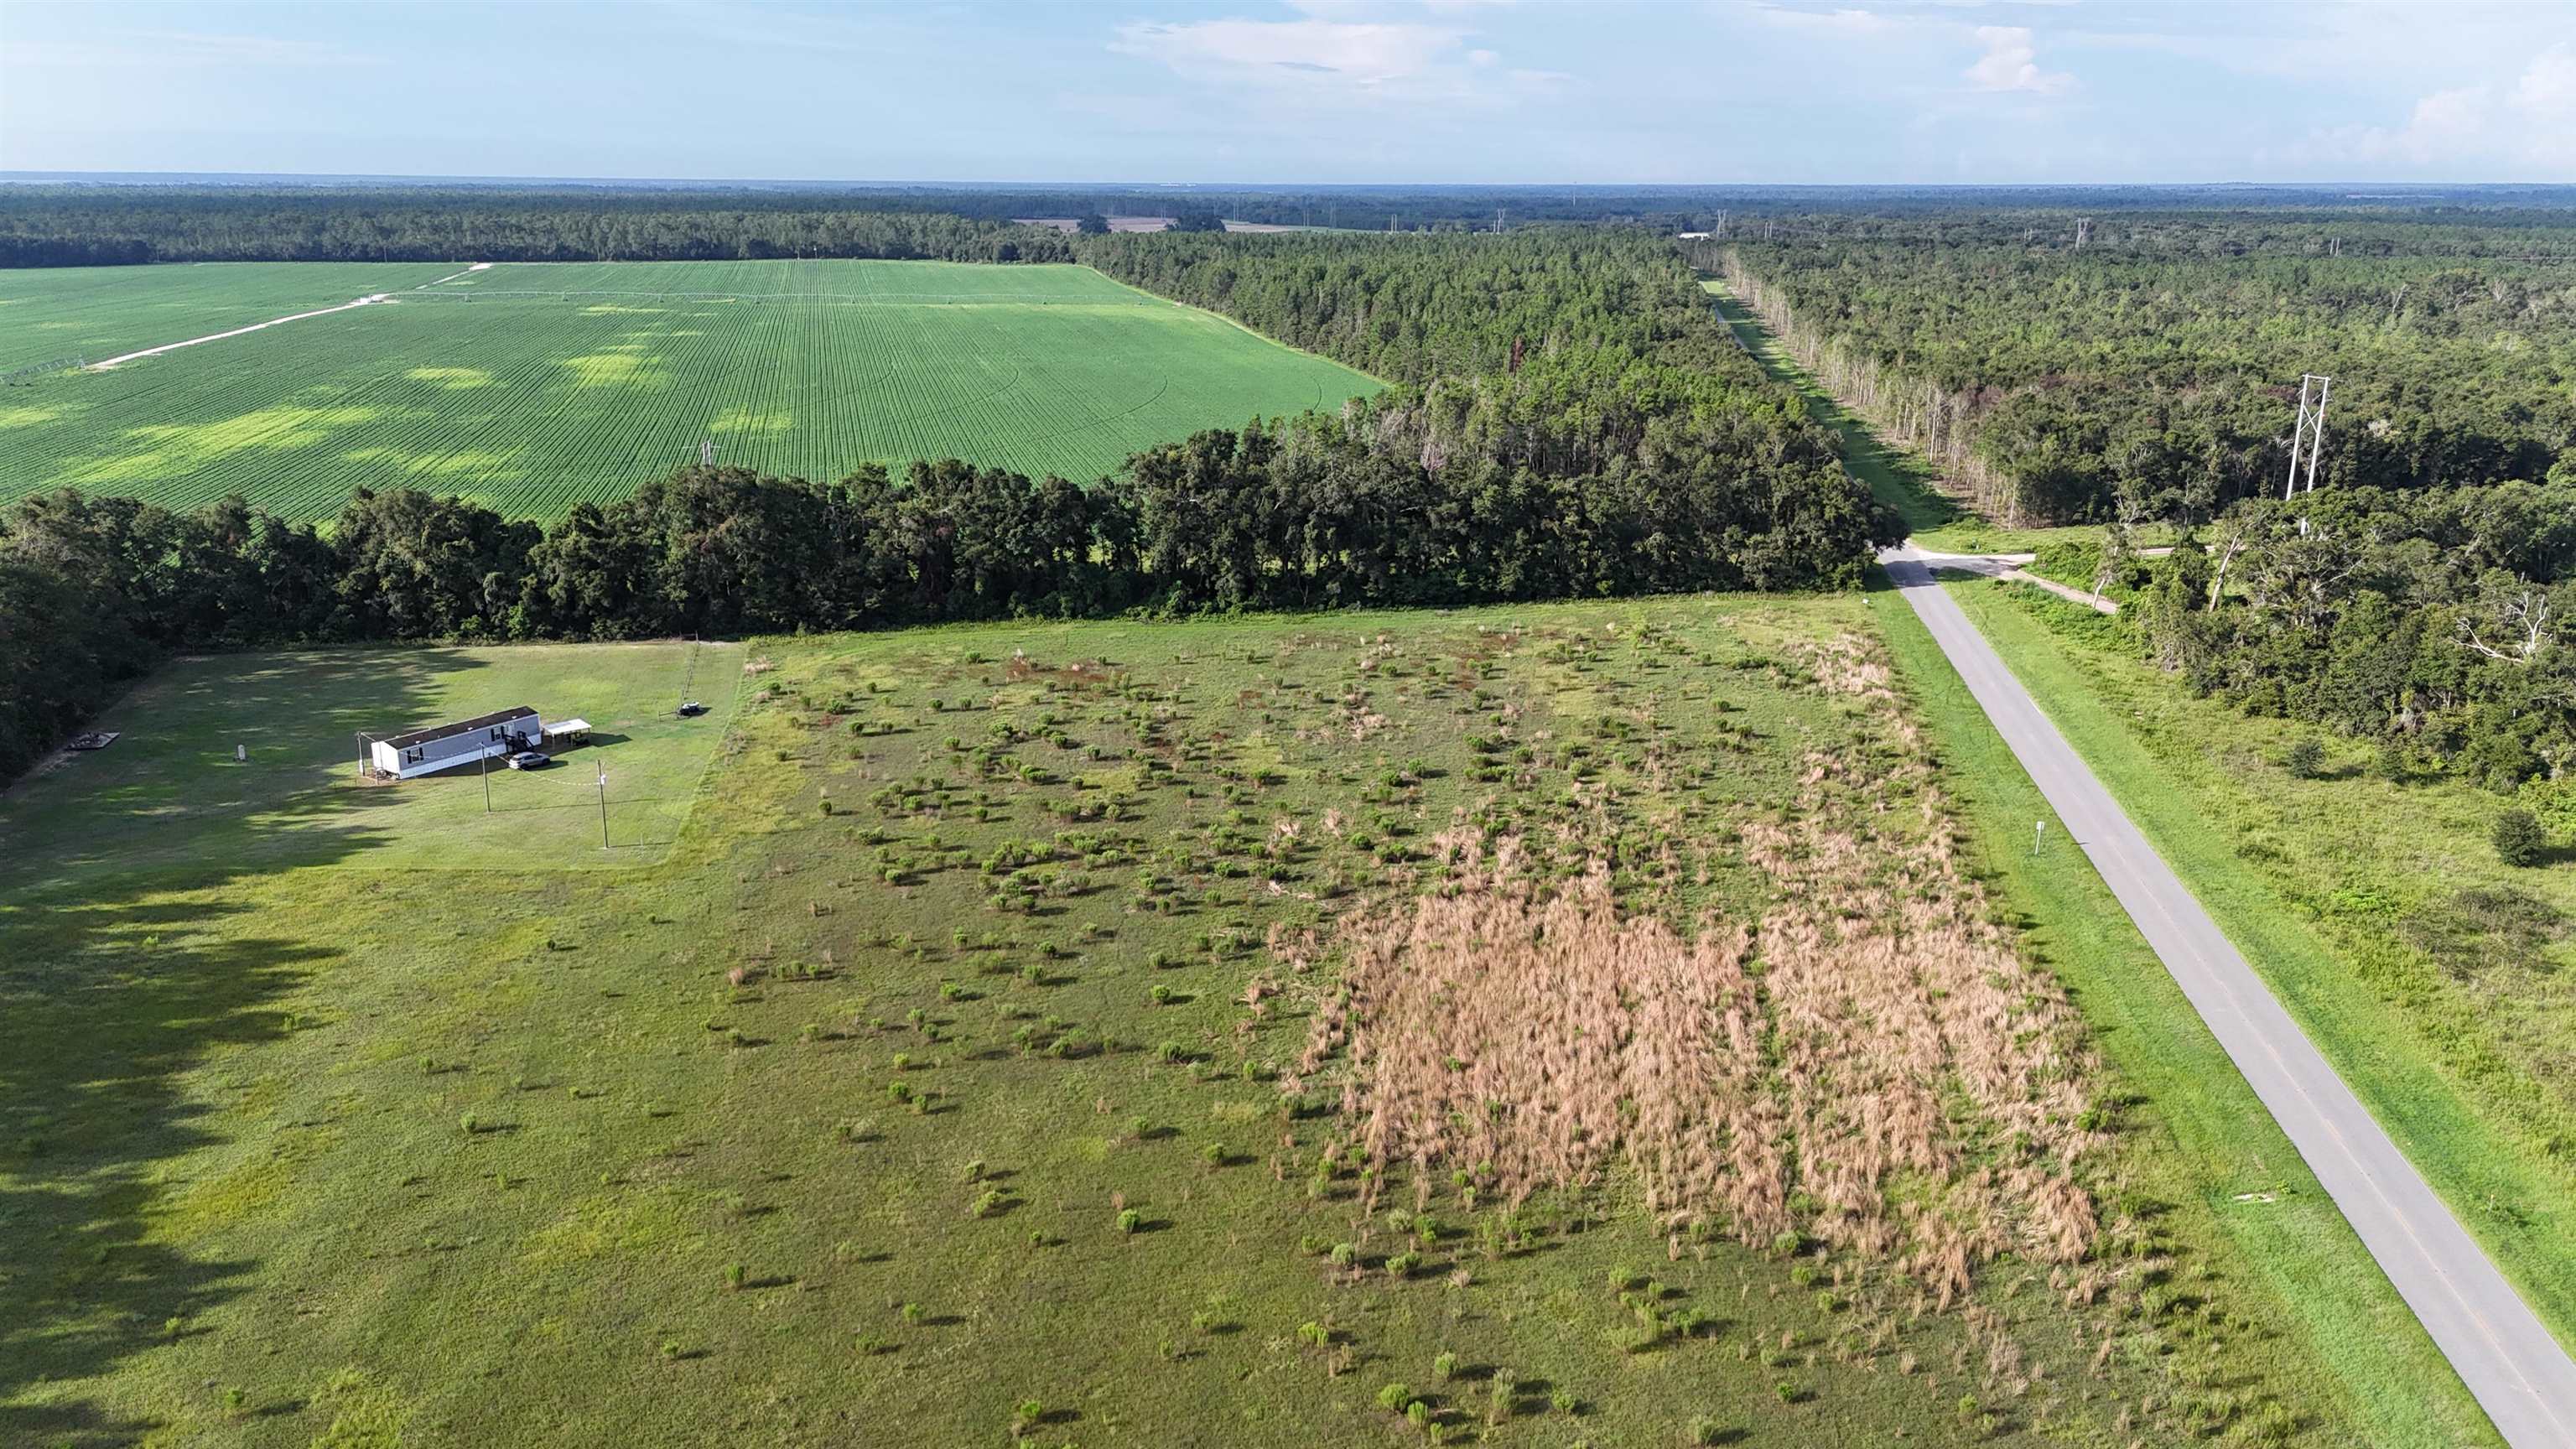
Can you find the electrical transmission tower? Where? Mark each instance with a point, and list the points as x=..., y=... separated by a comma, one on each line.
x=706, y=452
x=2309, y=435
x=2083, y=231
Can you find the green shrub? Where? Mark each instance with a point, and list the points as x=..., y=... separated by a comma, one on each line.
x=2518, y=838
x=2307, y=760
x=1395, y=1398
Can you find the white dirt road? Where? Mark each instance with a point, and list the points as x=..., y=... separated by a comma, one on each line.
x=452, y=276
x=368, y=300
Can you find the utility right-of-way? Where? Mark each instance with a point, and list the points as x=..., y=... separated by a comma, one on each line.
x=2519, y=1373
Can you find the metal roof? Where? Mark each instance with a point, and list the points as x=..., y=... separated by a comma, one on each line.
x=463, y=726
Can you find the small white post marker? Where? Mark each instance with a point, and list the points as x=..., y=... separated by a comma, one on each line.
x=2038, y=832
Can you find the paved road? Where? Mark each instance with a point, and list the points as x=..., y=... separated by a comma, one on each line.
x=2519, y=1373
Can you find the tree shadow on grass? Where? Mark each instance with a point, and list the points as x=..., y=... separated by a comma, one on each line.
x=88, y=1070
x=120, y=974
x=169, y=796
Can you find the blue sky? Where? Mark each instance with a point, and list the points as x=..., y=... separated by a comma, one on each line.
x=1290, y=91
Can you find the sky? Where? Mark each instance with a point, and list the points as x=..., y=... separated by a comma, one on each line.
x=1303, y=91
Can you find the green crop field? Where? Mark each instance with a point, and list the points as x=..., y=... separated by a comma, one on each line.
x=531, y=387
x=1057, y=1034
x=94, y=313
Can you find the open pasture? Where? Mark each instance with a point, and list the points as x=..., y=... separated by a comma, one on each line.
x=531, y=387
x=1057, y=1033
x=169, y=791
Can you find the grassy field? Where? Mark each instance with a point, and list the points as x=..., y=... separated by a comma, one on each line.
x=533, y=386
x=1039, y=1031
x=2434, y=978
x=170, y=791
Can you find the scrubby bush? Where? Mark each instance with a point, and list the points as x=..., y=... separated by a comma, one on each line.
x=2518, y=838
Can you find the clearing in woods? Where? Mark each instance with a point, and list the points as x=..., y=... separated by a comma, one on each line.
x=170, y=790
x=1062, y=1033
x=534, y=386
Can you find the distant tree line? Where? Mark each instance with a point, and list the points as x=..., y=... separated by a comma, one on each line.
x=2154, y=373
x=79, y=224
x=1319, y=511
x=94, y=227
x=90, y=223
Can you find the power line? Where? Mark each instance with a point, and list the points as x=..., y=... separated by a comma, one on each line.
x=2310, y=431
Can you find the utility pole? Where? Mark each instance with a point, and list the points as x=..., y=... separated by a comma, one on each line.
x=487, y=781
x=2308, y=434
x=603, y=807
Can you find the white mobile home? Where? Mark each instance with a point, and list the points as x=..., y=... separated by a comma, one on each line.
x=444, y=747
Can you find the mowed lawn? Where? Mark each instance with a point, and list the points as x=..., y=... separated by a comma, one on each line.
x=533, y=386
x=941, y=1077
x=170, y=793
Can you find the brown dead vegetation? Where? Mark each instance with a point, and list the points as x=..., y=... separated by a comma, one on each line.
x=1873, y=1068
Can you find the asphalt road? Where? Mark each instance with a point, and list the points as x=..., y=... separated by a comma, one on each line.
x=2519, y=1373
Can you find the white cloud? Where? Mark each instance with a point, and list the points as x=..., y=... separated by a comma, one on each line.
x=2527, y=126
x=1845, y=22
x=1321, y=61
x=131, y=50
x=1359, y=54
x=2011, y=63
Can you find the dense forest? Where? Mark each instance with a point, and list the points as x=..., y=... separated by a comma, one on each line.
x=2438, y=624
x=2153, y=372
x=120, y=228
x=52, y=223
x=1569, y=420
